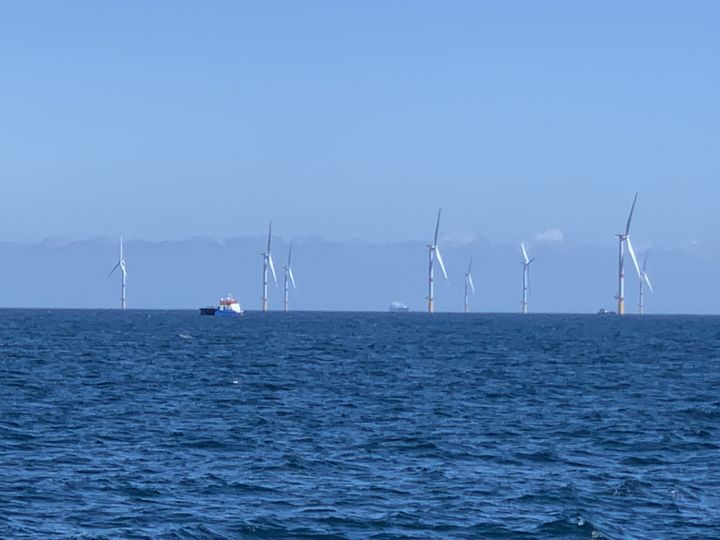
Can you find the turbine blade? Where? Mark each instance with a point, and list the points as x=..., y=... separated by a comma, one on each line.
x=292, y=278
x=440, y=261
x=632, y=209
x=470, y=265
x=114, y=268
x=470, y=281
x=123, y=268
x=644, y=265
x=437, y=227
x=269, y=236
x=647, y=280
x=272, y=268
x=289, y=254
x=524, y=252
x=631, y=251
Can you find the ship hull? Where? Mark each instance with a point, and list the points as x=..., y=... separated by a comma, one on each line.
x=228, y=314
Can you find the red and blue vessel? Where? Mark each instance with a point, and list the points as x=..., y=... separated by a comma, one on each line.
x=227, y=307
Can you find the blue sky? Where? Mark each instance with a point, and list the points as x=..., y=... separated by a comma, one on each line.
x=166, y=120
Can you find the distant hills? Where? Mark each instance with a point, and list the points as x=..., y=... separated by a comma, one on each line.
x=353, y=275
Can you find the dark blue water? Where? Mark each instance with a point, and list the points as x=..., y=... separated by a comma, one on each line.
x=169, y=425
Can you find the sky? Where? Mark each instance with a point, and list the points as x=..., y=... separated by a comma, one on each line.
x=170, y=120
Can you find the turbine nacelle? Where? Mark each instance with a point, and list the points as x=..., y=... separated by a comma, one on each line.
x=290, y=275
x=267, y=255
x=435, y=253
x=121, y=262
x=468, y=276
x=123, y=273
x=288, y=268
x=272, y=267
x=526, y=262
x=625, y=239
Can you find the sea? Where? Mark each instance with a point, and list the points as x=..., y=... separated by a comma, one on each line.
x=166, y=424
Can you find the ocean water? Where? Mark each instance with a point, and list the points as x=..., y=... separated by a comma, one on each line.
x=151, y=424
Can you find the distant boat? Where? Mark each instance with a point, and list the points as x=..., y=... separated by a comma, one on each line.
x=603, y=311
x=398, y=307
x=227, y=307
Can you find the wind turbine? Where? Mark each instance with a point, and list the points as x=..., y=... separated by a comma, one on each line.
x=623, y=240
x=289, y=278
x=469, y=286
x=643, y=280
x=434, y=253
x=267, y=261
x=526, y=277
x=123, y=274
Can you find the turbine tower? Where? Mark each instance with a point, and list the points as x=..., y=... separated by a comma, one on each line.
x=526, y=277
x=469, y=286
x=624, y=240
x=434, y=253
x=123, y=274
x=289, y=278
x=643, y=280
x=267, y=261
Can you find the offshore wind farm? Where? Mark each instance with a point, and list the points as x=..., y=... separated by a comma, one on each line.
x=359, y=275
x=502, y=220
x=435, y=257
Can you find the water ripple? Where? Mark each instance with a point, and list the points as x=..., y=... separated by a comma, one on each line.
x=312, y=425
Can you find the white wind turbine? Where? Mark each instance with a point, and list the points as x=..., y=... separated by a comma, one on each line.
x=624, y=240
x=434, y=253
x=289, y=278
x=643, y=280
x=267, y=262
x=526, y=277
x=469, y=286
x=123, y=274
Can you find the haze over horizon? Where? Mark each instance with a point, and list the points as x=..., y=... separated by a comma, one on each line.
x=171, y=120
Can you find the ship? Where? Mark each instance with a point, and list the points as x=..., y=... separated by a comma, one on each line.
x=227, y=307
x=398, y=307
